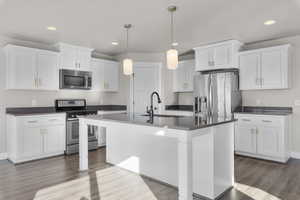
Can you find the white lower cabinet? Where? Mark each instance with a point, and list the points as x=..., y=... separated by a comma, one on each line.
x=263, y=136
x=35, y=137
x=245, y=139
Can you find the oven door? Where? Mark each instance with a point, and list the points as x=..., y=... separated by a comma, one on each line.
x=72, y=79
x=73, y=132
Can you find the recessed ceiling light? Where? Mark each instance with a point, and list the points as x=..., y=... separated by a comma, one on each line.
x=115, y=43
x=175, y=44
x=51, y=28
x=269, y=22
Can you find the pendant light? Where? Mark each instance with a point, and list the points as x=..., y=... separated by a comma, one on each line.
x=127, y=62
x=172, y=54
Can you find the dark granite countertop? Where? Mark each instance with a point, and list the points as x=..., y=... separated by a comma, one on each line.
x=180, y=108
x=20, y=111
x=172, y=122
x=259, y=110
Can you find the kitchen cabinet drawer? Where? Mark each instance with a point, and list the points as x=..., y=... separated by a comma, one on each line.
x=42, y=120
x=270, y=121
x=260, y=119
x=32, y=122
x=54, y=120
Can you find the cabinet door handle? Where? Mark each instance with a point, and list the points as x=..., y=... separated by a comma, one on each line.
x=246, y=120
x=266, y=121
x=257, y=81
x=262, y=81
x=32, y=121
x=35, y=82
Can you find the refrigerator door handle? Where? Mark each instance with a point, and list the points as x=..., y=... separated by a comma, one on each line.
x=210, y=97
x=196, y=105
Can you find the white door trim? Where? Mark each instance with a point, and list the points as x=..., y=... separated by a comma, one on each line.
x=146, y=64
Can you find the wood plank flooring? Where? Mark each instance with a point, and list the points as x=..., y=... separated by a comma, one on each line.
x=255, y=179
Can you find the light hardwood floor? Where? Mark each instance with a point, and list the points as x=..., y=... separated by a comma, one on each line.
x=255, y=179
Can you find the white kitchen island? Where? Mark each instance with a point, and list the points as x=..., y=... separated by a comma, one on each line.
x=190, y=153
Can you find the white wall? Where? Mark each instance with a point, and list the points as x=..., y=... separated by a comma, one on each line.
x=281, y=97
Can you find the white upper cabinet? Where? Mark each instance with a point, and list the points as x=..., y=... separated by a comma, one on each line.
x=74, y=57
x=47, y=70
x=20, y=67
x=249, y=71
x=111, y=76
x=266, y=68
x=31, y=69
x=183, y=76
x=105, y=75
x=217, y=56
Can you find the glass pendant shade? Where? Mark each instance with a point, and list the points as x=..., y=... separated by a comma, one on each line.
x=172, y=59
x=127, y=66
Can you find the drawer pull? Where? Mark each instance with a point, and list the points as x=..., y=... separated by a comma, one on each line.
x=52, y=120
x=246, y=120
x=267, y=121
x=32, y=122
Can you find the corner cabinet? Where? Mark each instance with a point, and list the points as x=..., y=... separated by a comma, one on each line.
x=74, y=57
x=105, y=75
x=266, y=68
x=263, y=136
x=31, y=69
x=35, y=137
x=183, y=76
x=217, y=56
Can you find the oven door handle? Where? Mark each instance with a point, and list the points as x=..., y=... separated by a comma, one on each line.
x=73, y=119
x=86, y=82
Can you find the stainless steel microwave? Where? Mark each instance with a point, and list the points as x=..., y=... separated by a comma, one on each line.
x=73, y=79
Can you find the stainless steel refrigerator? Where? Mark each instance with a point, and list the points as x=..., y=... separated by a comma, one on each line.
x=217, y=92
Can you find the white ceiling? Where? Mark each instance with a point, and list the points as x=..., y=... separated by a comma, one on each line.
x=96, y=23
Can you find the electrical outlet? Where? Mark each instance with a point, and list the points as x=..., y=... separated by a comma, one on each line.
x=33, y=102
x=297, y=102
x=258, y=102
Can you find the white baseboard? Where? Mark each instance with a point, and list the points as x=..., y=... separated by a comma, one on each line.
x=3, y=156
x=295, y=155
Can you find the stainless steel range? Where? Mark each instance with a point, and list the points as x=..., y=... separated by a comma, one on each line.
x=75, y=108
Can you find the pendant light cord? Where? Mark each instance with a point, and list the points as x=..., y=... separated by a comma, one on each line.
x=127, y=38
x=172, y=29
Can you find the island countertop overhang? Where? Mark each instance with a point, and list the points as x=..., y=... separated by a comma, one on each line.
x=171, y=122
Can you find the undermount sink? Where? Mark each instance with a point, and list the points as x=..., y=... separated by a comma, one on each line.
x=158, y=115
